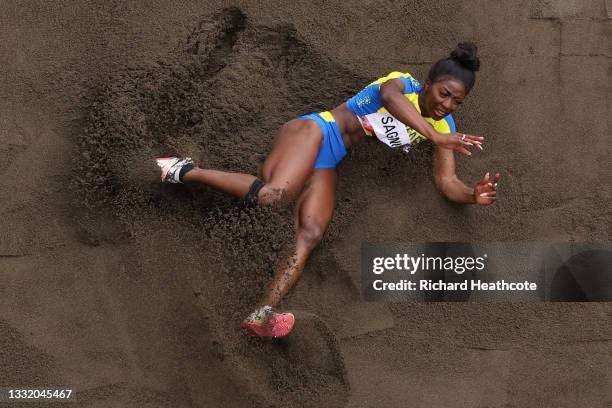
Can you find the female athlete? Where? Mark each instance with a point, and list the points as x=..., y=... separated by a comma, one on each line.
x=301, y=167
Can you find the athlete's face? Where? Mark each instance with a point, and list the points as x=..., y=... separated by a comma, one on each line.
x=443, y=97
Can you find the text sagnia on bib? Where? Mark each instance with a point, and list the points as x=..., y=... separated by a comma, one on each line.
x=390, y=130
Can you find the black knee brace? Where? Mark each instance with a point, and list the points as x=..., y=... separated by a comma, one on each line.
x=250, y=200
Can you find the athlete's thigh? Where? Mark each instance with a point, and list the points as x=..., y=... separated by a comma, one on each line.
x=293, y=155
x=315, y=205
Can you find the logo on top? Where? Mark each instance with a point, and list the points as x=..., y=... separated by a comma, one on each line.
x=363, y=101
x=416, y=85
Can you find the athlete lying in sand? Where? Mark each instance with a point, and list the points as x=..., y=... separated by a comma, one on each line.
x=399, y=111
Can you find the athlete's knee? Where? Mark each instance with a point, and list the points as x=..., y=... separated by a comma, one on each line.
x=311, y=233
x=271, y=195
x=274, y=195
x=261, y=193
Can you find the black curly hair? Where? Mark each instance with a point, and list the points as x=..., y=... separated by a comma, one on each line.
x=462, y=64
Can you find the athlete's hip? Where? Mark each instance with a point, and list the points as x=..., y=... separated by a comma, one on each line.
x=332, y=149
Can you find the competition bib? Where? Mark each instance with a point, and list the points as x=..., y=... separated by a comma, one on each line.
x=390, y=131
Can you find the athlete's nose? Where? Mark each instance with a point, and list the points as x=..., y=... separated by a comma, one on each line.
x=448, y=104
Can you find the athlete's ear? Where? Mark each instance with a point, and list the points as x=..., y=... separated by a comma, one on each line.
x=427, y=84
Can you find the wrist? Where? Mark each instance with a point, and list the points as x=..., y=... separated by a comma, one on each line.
x=433, y=136
x=474, y=198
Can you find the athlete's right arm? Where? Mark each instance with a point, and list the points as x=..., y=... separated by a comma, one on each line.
x=393, y=99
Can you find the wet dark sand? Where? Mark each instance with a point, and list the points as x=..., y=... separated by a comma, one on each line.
x=132, y=291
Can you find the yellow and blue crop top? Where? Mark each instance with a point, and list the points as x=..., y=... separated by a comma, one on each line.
x=367, y=102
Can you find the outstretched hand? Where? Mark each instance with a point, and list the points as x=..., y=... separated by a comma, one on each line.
x=459, y=142
x=485, y=191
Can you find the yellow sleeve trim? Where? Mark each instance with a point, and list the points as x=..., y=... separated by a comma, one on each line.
x=327, y=116
x=392, y=75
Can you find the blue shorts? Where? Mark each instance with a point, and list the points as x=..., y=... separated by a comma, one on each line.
x=332, y=150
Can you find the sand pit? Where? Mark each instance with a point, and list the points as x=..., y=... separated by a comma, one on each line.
x=133, y=291
x=184, y=106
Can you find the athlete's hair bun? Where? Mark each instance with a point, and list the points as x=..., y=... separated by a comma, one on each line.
x=466, y=55
x=462, y=65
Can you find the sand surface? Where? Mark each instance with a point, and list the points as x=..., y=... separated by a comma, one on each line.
x=132, y=291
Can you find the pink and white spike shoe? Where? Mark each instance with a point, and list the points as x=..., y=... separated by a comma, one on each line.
x=266, y=323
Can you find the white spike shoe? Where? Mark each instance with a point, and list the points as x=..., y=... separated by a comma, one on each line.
x=171, y=168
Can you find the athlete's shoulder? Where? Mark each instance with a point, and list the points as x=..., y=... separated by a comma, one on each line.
x=411, y=85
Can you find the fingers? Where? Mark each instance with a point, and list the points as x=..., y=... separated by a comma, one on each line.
x=463, y=140
x=485, y=179
x=466, y=141
x=463, y=150
x=487, y=198
x=473, y=140
x=487, y=201
x=469, y=140
x=493, y=183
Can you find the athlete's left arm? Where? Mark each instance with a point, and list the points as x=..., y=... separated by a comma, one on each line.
x=447, y=182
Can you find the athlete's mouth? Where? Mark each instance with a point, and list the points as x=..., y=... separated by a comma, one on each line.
x=440, y=113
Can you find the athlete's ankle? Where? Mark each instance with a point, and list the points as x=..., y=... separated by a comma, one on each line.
x=184, y=170
x=260, y=313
